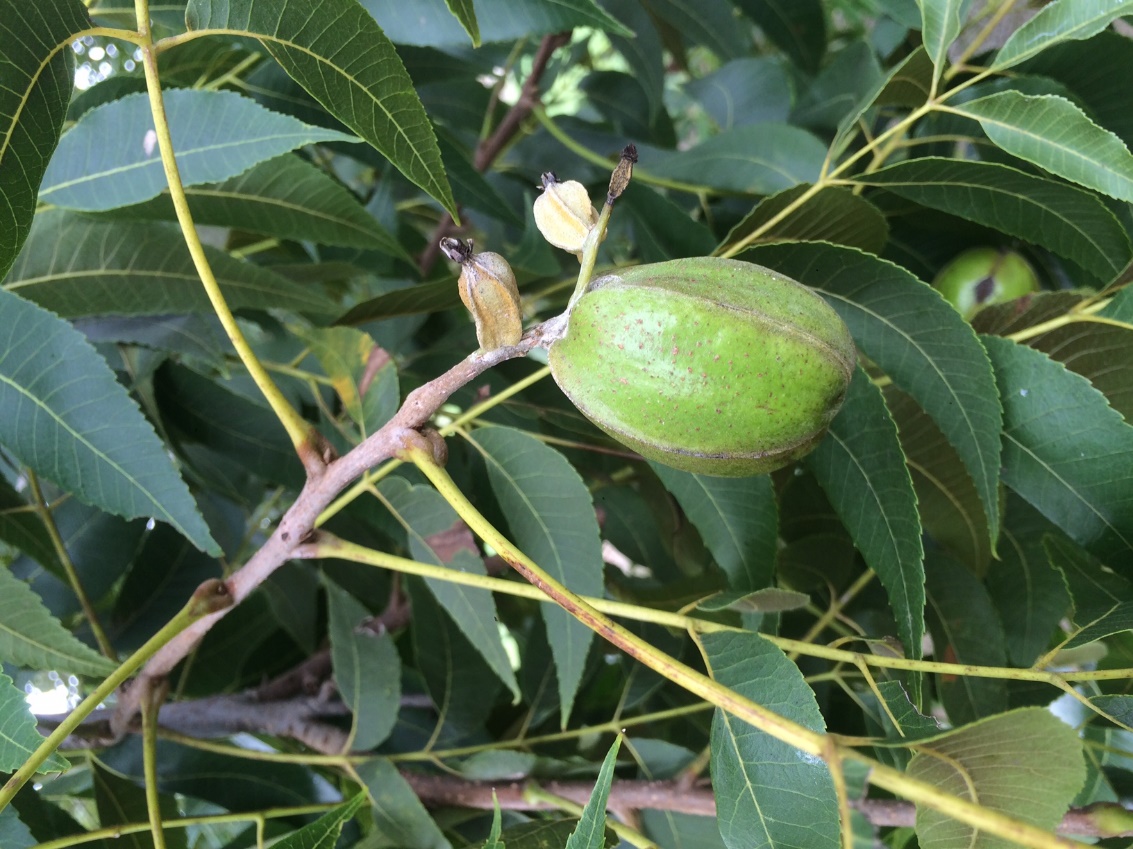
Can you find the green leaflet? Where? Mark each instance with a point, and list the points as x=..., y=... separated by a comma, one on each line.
x=73, y=423
x=1025, y=763
x=767, y=792
x=351, y=68
x=551, y=517
x=216, y=134
x=36, y=69
x=1055, y=134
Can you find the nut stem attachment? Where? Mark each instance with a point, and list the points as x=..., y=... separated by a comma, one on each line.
x=619, y=181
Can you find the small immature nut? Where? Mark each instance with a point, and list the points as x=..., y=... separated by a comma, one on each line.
x=487, y=288
x=564, y=213
x=979, y=277
x=709, y=365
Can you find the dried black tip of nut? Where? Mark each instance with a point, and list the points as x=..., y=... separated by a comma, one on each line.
x=629, y=152
x=548, y=179
x=456, y=250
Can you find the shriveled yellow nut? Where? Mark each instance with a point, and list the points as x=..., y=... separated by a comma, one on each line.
x=564, y=213
x=488, y=290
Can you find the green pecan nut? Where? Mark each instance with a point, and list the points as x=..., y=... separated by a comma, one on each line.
x=708, y=365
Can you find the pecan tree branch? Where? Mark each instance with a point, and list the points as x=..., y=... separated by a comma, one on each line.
x=298, y=523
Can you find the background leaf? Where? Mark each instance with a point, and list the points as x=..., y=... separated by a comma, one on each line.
x=367, y=669
x=797, y=27
x=1071, y=222
x=122, y=802
x=736, y=517
x=286, y=197
x=72, y=423
x=437, y=535
x=833, y=215
x=551, y=517
x=76, y=266
x=1064, y=449
x=760, y=782
x=429, y=22
x=591, y=831
x=917, y=339
x=1056, y=22
x=759, y=160
x=30, y=637
x=323, y=833
x=399, y=817
x=860, y=467
x=941, y=22
x=965, y=629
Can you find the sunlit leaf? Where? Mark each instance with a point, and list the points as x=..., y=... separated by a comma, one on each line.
x=73, y=423
x=1026, y=763
x=1055, y=134
x=591, y=831
x=1062, y=20
x=18, y=735
x=216, y=134
x=767, y=792
x=1068, y=221
x=36, y=78
x=349, y=66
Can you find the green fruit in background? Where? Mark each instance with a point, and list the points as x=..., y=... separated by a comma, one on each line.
x=982, y=276
x=708, y=365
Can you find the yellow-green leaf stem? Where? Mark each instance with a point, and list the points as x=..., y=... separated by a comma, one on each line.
x=151, y=705
x=701, y=685
x=205, y=600
x=48, y=519
x=331, y=547
x=116, y=831
x=298, y=429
